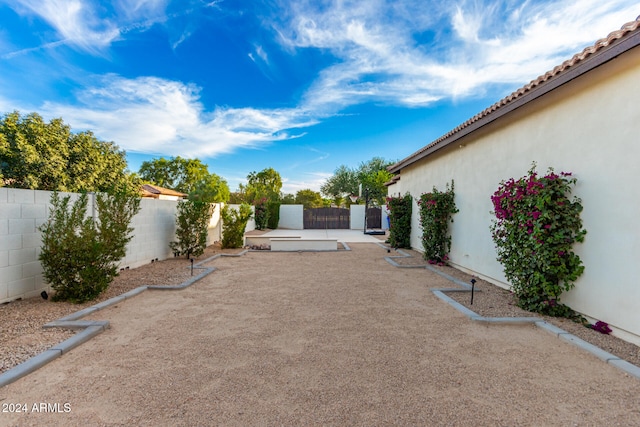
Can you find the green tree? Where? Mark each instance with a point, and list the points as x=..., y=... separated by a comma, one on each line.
x=192, y=222
x=346, y=181
x=212, y=189
x=343, y=182
x=265, y=184
x=176, y=173
x=80, y=254
x=309, y=198
x=189, y=176
x=234, y=222
x=261, y=214
x=288, y=199
x=48, y=156
x=372, y=175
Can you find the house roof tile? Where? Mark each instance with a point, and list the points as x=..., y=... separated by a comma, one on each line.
x=149, y=190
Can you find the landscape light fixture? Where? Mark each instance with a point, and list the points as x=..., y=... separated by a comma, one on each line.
x=473, y=286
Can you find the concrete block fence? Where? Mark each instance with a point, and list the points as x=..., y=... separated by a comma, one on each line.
x=23, y=211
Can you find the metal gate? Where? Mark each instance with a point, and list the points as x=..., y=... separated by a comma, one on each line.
x=326, y=218
x=374, y=217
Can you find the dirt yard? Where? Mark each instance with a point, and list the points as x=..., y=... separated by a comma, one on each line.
x=339, y=338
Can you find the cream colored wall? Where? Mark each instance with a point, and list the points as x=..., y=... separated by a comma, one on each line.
x=591, y=127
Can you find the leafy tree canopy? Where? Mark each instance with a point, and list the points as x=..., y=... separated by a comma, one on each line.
x=265, y=184
x=189, y=176
x=371, y=174
x=211, y=189
x=309, y=198
x=48, y=156
x=288, y=199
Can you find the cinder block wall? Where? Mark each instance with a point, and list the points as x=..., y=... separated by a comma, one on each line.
x=23, y=211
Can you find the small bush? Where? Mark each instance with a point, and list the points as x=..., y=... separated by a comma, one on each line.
x=436, y=209
x=234, y=222
x=273, y=207
x=261, y=214
x=192, y=223
x=80, y=255
x=535, y=227
x=400, y=221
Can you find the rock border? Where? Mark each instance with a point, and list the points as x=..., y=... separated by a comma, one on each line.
x=91, y=328
x=605, y=356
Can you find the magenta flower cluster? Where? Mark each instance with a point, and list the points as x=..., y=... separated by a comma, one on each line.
x=601, y=327
x=436, y=209
x=534, y=229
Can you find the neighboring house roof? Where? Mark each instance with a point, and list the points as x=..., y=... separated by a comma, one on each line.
x=591, y=57
x=392, y=181
x=156, y=191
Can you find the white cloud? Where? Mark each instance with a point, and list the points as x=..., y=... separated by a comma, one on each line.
x=87, y=25
x=409, y=53
x=154, y=115
x=475, y=44
x=75, y=21
x=312, y=181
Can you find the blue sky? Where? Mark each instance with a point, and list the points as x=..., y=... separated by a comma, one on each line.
x=300, y=86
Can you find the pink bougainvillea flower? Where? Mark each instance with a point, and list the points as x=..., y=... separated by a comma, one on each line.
x=601, y=327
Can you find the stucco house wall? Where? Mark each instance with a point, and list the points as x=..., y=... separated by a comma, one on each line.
x=589, y=126
x=291, y=217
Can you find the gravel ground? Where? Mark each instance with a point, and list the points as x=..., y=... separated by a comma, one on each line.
x=493, y=301
x=22, y=335
x=339, y=338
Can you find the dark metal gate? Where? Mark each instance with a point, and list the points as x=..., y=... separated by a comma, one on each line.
x=326, y=218
x=374, y=217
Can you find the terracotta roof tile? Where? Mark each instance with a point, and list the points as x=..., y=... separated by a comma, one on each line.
x=624, y=32
x=156, y=190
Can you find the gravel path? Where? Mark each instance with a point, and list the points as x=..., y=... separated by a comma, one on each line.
x=493, y=301
x=339, y=338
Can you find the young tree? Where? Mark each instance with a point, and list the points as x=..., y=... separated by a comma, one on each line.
x=192, y=222
x=80, y=254
x=234, y=222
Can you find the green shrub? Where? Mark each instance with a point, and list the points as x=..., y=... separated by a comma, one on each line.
x=400, y=221
x=436, y=209
x=192, y=225
x=534, y=231
x=273, y=207
x=80, y=255
x=261, y=214
x=234, y=222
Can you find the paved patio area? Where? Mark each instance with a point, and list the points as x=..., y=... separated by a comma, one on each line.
x=337, y=338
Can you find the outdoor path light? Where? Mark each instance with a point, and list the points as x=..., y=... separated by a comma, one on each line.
x=473, y=284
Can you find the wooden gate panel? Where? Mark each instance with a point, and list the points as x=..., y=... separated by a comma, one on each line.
x=374, y=217
x=326, y=218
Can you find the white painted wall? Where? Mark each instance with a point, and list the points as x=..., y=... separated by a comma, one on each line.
x=356, y=217
x=291, y=217
x=23, y=211
x=590, y=127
